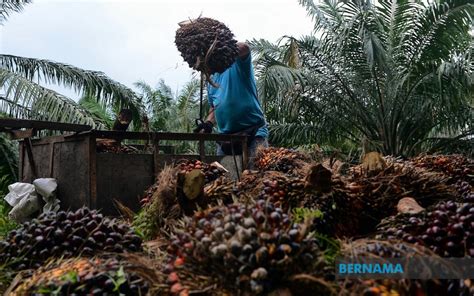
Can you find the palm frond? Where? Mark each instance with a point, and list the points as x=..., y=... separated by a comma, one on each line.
x=396, y=72
x=9, y=6
x=41, y=103
x=94, y=83
x=99, y=113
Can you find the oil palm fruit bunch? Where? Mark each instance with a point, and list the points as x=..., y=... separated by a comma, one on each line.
x=249, y=247
x=447, y=229
x=66, y=234
x=465, y=190
x=278, y=159
x=147, y=196
x=207, y=45
x=457, y=167
x=222, y=189
x=84, y=276
x=284, y=192
x=211, y=172
x=338, y=216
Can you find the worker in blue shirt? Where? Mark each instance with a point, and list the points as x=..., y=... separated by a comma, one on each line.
x=234, y=104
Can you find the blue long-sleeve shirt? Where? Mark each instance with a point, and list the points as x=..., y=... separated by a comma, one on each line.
x=235, y=102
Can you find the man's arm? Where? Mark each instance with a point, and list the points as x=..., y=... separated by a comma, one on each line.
x=244, y=50
x=211, y=117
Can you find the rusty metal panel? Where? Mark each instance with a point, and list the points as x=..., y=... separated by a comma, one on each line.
x=41, y=159
x=64, y=161
x=123, y=177
x=72, y=173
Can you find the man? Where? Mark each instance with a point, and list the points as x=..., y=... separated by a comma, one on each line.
x=234, y=104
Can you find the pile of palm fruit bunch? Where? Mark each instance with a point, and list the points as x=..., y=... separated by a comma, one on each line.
x=319, y=190
x=248, y=248
x=280, y=159
x=447, y=228
x=369, y=248
x=180, y=190
x=458, y=169
x=207, y=45
x=381, y=190
x=112, y=146
x=211, y=173
x=270, y=232
x=84, y=276
x=148, y=194
x=66, y=234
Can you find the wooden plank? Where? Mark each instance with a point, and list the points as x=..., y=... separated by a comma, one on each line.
x=202, y=151
x=245, y=154
x=51, y=160
x=42, y=125
x=156, y=158
x=123, y=177
x=92, y=163
x=29, y=151
x=21, y=165
x=21, y=134
x=165, y=136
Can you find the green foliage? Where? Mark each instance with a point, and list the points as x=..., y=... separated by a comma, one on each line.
x=331, y=247
x=6, y=225
x=173, y=112
x=119, y=278
x=9, y=6
x=301, y=214
x=25, y=98
x=100, y=113
x=8, y=175
x=398, y=73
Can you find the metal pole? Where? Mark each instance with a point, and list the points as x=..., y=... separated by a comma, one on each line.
x=201, y=95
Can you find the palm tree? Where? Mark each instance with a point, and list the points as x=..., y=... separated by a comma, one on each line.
x=172, y=112
x=7, y=7
x=24, y=97
x=158, y=103
x=397, y=73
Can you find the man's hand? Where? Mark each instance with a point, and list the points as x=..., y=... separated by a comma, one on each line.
x=244, y=49
x=204, y=127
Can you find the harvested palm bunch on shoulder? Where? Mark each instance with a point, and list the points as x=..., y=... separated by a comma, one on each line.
x=248, y=248
x=85, y=276
x=207, y=45
x=66, y=234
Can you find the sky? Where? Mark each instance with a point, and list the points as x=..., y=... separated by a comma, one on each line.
x=131, y=40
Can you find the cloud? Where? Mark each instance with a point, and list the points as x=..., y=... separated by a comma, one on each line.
x=134, y=40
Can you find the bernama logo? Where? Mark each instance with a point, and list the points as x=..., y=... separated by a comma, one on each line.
x=375, y=268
